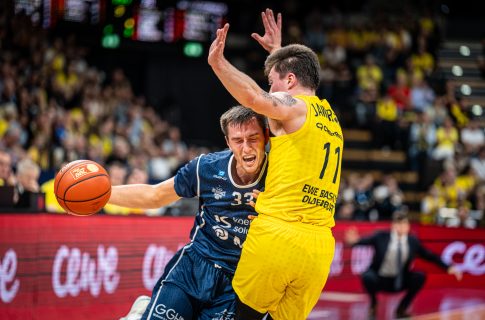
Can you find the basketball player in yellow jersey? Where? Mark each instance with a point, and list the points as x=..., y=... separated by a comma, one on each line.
x=286, y=258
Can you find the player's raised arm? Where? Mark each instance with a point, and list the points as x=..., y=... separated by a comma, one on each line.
x=247, y=92
x=271, y=40
x=144, y=196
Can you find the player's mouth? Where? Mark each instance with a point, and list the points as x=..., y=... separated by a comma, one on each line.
x=249, y=160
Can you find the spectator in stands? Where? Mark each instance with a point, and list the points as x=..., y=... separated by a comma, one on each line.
x=400, y=91
x=458, y=110
x=430, y=205
x=446, y=141
x=7, y=176
x=448, y=187
x=334, y=54
x=28, y=173
x=422, y=139
x=478, y=164
x=386, y=129
x=438, y=112
x=422, y=61
x=388, y=197
x=364, y=199
x=369, y=74
x=461, y=218
x=472, y=137
x=394, y=252
x=421, y=95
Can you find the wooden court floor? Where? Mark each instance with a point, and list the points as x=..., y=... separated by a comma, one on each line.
x=430, y=304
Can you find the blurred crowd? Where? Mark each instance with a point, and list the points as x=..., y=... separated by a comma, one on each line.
x=56, y=108
x=379, y=71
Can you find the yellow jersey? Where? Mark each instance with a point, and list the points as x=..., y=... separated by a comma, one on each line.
x=304, y=169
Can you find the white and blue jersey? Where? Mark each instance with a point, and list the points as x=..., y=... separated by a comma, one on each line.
x=196, y=283
x=222, y=223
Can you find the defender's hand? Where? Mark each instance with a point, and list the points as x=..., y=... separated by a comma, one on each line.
x=216, y=50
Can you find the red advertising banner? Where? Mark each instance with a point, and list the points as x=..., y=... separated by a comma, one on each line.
x=59, y=266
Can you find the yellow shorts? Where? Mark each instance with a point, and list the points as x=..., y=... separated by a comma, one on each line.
x=283, y=267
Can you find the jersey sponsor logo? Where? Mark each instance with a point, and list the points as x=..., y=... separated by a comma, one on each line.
x=165, y=313
x=83, y=273
x=324, y=128
x=219, y=177
x=221, y=233
x=9, y=286
x=237, y=242
x=218, y=192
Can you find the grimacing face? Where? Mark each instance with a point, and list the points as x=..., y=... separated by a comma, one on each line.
x=247, y=142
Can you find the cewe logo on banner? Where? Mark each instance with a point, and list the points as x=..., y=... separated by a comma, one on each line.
x=154, y=262
x=473, y=257
x=9, y=285
x=83, y=273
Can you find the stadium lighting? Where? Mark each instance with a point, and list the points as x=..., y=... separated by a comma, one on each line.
x=110, y=41
x=466, y=89
x=465, y=51
x=457, y=71
x=477, y=110
x=193, y=49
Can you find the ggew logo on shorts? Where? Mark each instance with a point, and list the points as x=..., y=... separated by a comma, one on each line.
x=162, y=312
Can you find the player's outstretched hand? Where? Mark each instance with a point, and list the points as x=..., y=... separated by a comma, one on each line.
x=216, y=50
x=271, y=40
x=456, y=272
x=351, y=236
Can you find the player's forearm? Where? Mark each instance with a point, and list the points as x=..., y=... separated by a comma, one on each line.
x=142, y=196
x=239, y=85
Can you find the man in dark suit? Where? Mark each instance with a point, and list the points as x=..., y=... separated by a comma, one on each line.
x=394, y=252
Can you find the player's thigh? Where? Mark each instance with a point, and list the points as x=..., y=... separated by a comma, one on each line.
x=261, y=275
x=300, y=297
x=169, y=302
x=304, y=291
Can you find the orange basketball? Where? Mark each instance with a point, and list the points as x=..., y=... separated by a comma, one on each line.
x=82, y=187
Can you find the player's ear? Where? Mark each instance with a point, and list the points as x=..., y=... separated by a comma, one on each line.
x=227, y=142
x=291, y=80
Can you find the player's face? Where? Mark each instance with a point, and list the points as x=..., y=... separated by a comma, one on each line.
x=247, y=142
x=276, y=82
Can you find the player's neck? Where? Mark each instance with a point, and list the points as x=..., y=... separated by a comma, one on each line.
x=241, y=177
x=301, y=91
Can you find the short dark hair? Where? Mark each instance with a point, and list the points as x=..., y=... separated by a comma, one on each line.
x=297, y=59
x=399, y=216
x=239, y=115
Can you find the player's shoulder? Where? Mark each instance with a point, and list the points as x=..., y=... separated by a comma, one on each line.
x=211, y=158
